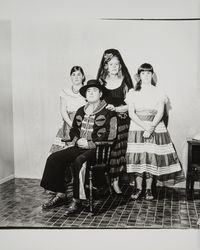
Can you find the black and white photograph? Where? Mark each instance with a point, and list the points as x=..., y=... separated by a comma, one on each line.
x=100, y=123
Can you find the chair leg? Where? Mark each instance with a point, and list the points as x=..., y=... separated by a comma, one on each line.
x=90, y=194
x=108, y=182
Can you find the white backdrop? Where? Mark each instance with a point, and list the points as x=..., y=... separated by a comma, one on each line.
x=44, y=47
x=43, y=53
x=6, y=114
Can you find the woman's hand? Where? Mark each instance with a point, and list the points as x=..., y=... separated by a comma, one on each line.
x=149, y=128
x=146, y=134
x=111, y=107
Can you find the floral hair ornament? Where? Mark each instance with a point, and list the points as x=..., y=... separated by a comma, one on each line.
x=108, y=56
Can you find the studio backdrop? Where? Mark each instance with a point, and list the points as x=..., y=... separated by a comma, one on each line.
x=43, y=53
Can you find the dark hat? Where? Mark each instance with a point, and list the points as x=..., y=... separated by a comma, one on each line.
x=93, y=83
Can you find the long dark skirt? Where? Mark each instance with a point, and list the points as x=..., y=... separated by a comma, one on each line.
x=118, y=151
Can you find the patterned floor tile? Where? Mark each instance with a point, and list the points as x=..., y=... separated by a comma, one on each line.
x=21, y=200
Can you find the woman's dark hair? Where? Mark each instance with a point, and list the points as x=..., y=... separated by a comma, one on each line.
x=103, y=72
x=78, y=68
x=144, y=67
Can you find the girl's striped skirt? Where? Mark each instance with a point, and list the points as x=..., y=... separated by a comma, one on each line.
x=155, y=155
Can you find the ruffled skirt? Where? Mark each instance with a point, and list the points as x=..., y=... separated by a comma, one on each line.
x=63, y=133
x=155, y=155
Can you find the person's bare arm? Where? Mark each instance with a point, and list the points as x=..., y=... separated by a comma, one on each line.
x=63, y=111
x=132, y=114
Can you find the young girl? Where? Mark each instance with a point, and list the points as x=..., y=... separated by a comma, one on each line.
x=114, y=74
x=150, y=150
x=70, y=101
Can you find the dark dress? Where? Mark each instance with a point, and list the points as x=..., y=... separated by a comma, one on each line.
x=118, y=152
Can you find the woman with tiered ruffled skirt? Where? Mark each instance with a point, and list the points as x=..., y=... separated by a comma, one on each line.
x=150, y=151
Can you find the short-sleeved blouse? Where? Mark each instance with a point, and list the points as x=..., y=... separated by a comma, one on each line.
x=73, y=101
x=147, y=98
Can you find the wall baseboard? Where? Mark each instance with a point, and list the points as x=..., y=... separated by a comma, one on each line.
x=10, y=177
x=26, y=177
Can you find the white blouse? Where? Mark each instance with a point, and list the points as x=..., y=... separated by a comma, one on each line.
x=147, y=98
x=73, y=101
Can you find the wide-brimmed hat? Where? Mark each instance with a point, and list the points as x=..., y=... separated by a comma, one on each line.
x=93, y=83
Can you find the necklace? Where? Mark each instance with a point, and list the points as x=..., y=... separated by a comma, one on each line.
x=75, y=91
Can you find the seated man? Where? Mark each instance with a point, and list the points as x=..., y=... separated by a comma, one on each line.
x=92, y=123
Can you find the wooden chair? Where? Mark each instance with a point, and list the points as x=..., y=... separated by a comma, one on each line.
x=101, y=163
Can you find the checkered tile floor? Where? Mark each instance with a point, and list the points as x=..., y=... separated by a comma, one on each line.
x=21, y=200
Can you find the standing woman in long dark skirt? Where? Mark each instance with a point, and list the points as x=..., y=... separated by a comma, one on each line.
x=114, y=74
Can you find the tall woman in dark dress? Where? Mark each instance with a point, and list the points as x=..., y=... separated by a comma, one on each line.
x=114, y=74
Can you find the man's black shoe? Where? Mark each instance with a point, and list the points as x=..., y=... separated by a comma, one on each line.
x=54, y=202
x=74, y=207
